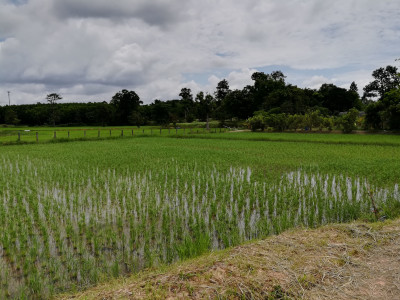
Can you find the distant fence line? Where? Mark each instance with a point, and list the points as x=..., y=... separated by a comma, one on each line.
x=125, y=132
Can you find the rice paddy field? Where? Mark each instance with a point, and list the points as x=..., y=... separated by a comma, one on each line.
x=73, y=214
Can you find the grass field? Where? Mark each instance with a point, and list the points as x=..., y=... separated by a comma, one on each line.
x=23, y=135
x=76, y=213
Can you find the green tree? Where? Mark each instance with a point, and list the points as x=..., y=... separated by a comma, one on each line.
x=312, y=119
x=264, y=86
x=353, y=87
x=385, y=79
x=256, y=122
x=206, y=105
x=222, y=91
x=125, y=103
x=338, y=99
x=188, y=103
x=391, y=114
x=52, y=99
x=348, y=121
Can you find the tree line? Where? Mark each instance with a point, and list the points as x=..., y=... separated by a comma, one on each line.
x=268, y=102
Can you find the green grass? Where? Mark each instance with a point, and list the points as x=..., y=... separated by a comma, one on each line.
x=75, y=213
x=33, y=135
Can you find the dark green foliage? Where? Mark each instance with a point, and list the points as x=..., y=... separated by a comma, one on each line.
x=385, y=79
x=125, y=103
x=348, y=120
x=384, y=113
x=288, y=106
x=338, y=99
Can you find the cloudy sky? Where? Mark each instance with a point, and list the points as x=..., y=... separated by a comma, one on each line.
x=89, y=50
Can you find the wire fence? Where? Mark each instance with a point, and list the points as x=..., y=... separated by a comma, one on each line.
x=46, y=135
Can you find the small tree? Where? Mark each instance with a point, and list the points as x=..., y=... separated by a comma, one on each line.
x=312, y=119
x=256, y=122
x=348, y=121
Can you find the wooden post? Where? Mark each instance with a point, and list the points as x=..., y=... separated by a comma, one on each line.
x=110, y=132
x=37, y=136
x=68, y=133
x=197, y=131
x=19, y=136
x=132, y=132
x=55, y=134
x=143, y=131
x=122, y=132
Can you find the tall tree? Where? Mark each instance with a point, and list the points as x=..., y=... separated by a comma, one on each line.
x=52, y=99
x=187, y=101
x=353, y=87
x=264, y=85
x=338, y=99
x=206, y=105
x=222, y=91
x=385, y=79
x=125, y=103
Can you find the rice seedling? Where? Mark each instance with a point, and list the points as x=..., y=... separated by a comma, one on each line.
x=64, y=228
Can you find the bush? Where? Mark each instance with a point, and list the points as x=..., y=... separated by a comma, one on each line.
x=348, y=121
x=256, y=122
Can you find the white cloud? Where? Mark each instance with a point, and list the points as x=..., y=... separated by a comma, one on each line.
x=92, y=49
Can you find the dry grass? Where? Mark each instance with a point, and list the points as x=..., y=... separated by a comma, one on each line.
x=348, y=261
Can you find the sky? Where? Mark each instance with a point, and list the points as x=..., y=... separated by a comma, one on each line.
x=89, y=50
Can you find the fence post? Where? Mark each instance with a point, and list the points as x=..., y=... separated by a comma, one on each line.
x=110, y=132
x=132, y=132
x=19, y=136
x=68, y=133
x=55, y=134
x=122, y=132
x=143, y=131
x=37, y=136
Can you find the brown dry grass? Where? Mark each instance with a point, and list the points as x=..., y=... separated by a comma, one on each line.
x=348, y=261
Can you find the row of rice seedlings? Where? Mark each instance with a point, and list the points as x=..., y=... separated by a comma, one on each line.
x=64, y=229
